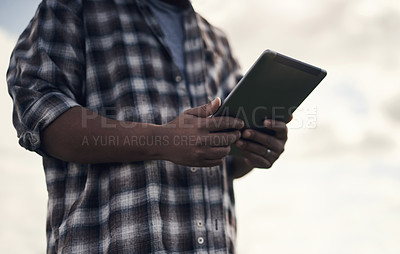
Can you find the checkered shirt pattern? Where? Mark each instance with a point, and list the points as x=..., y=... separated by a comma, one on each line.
x=110, y=57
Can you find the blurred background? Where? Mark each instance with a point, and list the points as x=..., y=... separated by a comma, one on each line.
x=336, y=189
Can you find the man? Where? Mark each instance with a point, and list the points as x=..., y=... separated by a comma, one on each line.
x=115, y=95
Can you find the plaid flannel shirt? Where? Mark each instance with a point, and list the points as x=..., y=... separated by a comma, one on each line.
x=110, y=57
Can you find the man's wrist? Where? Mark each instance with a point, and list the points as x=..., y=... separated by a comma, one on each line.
x=152, y=139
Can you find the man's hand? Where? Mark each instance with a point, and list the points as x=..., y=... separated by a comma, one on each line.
x=189, y=139
x=260, y=150
x=195, y=139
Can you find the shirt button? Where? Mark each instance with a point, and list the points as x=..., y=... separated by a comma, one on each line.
x=200, y=240
x=194, y=170
x=178, y=78
x=200, y=224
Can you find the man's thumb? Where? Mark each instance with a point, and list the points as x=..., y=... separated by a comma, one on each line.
x=206, y=109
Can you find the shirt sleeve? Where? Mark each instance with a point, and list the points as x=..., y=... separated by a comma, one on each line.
x=45, y=76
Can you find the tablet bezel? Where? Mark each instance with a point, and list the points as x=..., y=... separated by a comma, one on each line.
x=271, y=67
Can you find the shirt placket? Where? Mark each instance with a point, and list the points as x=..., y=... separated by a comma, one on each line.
x=198, y=209
x=194, y=60
x=181, y=86
x=208, y=209
x=205, y=184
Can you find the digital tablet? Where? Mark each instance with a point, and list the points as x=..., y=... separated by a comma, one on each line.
x=273, y=88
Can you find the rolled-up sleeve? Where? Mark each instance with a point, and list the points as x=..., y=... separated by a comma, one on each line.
x=46, y=73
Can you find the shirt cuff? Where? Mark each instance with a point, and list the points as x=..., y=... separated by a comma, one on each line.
x=41, y=114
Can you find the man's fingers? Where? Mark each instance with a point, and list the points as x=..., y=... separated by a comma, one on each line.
x=278, y=127
x=219, y=139
x=205, y=110
x=223, y=123
x=223, y=138
x=251, y=147
x=271, y=142
x=258, y=149
x=212, y=156
x=217, y=153
x=256, y=160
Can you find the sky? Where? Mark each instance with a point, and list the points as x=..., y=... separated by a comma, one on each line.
x=336, y=189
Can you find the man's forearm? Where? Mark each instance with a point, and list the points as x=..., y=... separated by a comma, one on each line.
x=82, y=136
